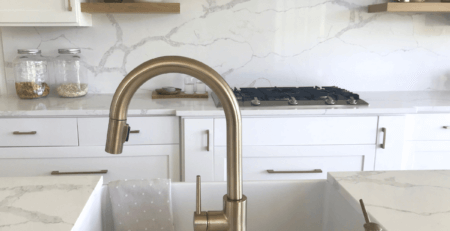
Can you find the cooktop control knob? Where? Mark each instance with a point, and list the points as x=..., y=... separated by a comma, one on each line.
x=352, y=101
x=330, y=101
x=256, y=102
x=292, y=101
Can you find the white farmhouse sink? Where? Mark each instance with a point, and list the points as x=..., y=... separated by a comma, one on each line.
x=272, y=206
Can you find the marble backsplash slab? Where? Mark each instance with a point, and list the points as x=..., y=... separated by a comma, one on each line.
x=260, y=43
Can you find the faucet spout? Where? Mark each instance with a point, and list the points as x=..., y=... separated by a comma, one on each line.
x=118, y=129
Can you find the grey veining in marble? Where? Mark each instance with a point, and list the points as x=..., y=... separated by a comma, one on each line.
x=381, y=103
x=399, y=200
x=260, y=43
x=44, y=203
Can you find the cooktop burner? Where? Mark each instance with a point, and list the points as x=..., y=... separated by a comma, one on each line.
x=295, y=96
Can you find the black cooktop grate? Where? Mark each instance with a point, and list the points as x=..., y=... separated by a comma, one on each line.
x=299, y=93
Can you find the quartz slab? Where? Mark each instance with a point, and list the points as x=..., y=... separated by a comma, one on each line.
x=52, y=203
x=381, y=103
x=399, y=200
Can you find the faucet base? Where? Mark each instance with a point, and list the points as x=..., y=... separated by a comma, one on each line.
x=236, y=212
x=232, y=218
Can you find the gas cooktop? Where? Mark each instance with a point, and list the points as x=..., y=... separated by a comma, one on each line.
x=295, y=96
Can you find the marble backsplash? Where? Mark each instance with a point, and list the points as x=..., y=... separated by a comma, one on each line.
x=260, y=43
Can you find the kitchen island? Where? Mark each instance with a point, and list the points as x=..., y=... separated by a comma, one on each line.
x=52, y=203
x=398, y=200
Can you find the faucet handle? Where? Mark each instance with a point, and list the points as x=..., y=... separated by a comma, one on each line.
x=368, y=226
x=200, y=218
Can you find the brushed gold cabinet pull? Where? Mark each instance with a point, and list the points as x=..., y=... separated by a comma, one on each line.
x=135, y=131
x=77, y=173
x=383, y=145
x=312, y=171
x=24, y=133
x=207, y=140
x=70, y=6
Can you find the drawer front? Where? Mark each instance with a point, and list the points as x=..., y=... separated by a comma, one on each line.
x=429, y=127
x=152, y=130
x=302, y=131
x=258, y=159
x=119, y=168
x=136, y=162
x=38, y=132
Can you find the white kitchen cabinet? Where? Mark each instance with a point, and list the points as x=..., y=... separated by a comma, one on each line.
x=390, y=142
x=281, y=144
x=427, y=144
x=136, y=162
x=302, y=131
x=327, y=158
x=144, y=130
x=198, y=149
x=38, y=132
x=430, y=127
x=43, y=13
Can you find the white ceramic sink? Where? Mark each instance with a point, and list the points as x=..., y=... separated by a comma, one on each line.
x=304, y=205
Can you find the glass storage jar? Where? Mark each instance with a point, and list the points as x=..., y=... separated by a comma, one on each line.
x=71, y=76
x=31, y=74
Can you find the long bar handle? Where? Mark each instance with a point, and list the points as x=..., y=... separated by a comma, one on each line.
x=199, y=196
x=383, y=145
x=70, y=6
x=207, y=140
x=135, y=131
x=446, y=127
x=24, y=133
x=78, y=173
x=312, y=171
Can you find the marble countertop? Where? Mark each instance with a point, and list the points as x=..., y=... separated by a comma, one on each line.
x=44, y=203
x=98, y=105
x=399, y=200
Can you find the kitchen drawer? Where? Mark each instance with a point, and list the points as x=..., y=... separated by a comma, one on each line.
x=302, y=131
x=428, y=127
x=258, y=159
x=136, y=162
x=427, y=155
x=48, y=132
x=119, y=168
x=152, y=130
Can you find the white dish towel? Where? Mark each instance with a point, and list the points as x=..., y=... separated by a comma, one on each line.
x=141, y=205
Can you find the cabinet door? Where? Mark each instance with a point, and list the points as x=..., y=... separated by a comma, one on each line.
x=390, y=141
x=330, y=158
x=42, y=13
x=197, y=149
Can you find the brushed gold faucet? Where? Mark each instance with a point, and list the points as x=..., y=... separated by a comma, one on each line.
x=233, y=216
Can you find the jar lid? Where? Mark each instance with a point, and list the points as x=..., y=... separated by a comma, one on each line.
x=69, y=51
x=28, y=51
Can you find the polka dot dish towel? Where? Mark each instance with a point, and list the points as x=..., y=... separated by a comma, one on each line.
x=141, y=205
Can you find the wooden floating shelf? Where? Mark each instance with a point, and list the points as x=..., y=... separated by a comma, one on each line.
x=141, y=8
x=410, y=7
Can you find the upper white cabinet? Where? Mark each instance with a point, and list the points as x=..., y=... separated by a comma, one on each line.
x=43, y=13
